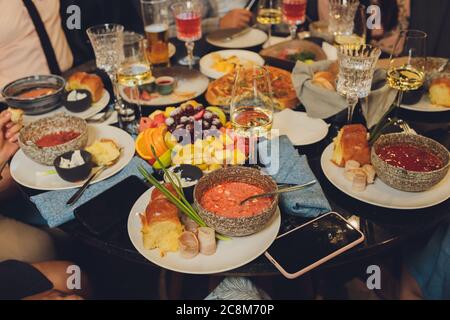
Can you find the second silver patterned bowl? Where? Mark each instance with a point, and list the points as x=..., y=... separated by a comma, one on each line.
x=410, y=181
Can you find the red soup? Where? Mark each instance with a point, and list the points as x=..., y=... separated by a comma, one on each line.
x=56, y=139
x=410, y=157
x=225, y=200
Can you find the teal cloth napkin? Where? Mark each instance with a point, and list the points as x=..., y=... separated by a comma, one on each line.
x=52, y=205
x=285, y=165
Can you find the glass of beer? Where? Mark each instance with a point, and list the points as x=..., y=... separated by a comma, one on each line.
x=155, y=14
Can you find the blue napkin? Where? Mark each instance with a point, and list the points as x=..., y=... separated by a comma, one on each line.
x=52, y=205
x=285, y=165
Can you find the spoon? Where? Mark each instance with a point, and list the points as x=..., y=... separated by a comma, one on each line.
x=280, y=191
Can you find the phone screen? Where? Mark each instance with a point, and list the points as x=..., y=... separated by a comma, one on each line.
x=308, y=244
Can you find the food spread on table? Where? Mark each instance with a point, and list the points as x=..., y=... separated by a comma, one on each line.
x=220, y=91
x=228, y=64
x=295, y=55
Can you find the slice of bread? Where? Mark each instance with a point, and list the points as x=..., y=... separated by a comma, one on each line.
x=16, y=115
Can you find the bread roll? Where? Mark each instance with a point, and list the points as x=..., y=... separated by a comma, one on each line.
x=16, y=115
x=351, y=144
x=325, y=80
x=440, y=92
x=85, y=81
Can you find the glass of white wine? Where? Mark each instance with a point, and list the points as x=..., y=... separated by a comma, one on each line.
x=407, y=64
x=252, y=105
x=133, y=72
x=269, y=13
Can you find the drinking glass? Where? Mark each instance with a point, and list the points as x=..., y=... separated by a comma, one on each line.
x=357, y=34
x=407, y=63
x=252, y=106
x=294, y=14
x=356, y=68
x=188, y=20
x=269, y=13
x=156, y=21
x=341, y=17
x=133, y=72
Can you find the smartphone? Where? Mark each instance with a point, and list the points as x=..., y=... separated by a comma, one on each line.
x=310, y=245
x=111, y=207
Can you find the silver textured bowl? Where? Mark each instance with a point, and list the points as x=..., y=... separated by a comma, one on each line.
x=235, y=227
x=40, y=128
x=410, y=181
x=39, y=105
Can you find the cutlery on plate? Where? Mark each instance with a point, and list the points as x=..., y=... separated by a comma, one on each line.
x=103, y=118
x=280, y=191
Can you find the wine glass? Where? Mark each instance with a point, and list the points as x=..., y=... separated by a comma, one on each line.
x=407, y=63
x=156, y=22
x=294, y=13
x=269, y=13
x=188, y=20
x=133, y=72
x=356, y=68
x=107, y=42
x=252, y=107
x=357, y=29
x=341, y=21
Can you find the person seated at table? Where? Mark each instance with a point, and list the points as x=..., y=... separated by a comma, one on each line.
x=17, y=240
x=40, y=281
x=24, y=50
x=426, y=274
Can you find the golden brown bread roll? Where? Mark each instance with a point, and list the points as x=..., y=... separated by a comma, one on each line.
x=16, y=115
x=351, y=144
x=85, y=81
x=440, y=92
x=325, y=80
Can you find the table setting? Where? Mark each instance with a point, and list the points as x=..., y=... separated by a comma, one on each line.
x=159, y=131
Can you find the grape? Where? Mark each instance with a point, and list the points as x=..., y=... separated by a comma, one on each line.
x=216, y=122
x=184, y=119
x=170, y=122
x=189, y=109
x=208, y=115
x=206, y=125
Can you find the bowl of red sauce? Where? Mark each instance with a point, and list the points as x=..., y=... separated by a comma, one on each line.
x=218, y=197
x=46, y=139
x=409, y=162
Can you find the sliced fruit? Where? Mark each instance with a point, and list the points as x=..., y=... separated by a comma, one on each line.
x=154, y=114
x=166, y=160
x=160, y=120
x=219, y=112
x=146, y=123
x=143, y=148
x=170, y=140
x=168, y=111
x=158, y=142
x=148, y=134
x=199, y=115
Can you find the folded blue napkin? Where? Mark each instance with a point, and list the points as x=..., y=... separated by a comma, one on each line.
x=285, y=165
x=52, y=205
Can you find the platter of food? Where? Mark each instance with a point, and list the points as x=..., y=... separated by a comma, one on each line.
x=217, y=64
x=220, y=91
x=172, y=85
x=288, y=53
x=251, y=38
x=170, y=239
x=60, y=152
x=436, y=97
x=400, y=171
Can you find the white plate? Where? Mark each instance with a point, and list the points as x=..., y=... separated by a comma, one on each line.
x=301, y=129
x=425, y=105
x=245, y=57
x=29, y=173
x=380, y=194
x=191, y=81
x=93, y=110
x=230, y=254
x=253, y=38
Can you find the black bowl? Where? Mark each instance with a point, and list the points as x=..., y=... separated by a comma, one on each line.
x=190, y=173
x=79, y=105
x=76, y=174
x=39, y=105
x=413, y=96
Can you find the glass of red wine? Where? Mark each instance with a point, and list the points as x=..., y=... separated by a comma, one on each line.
x=294, y=14
x=188, y=20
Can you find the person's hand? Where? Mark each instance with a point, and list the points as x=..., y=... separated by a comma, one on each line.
x=9, y=133
x=237, y=18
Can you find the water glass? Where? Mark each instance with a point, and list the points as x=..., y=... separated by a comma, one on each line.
x=341, y=16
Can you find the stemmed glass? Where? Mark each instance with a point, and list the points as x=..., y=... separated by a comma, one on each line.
x=188, y=20
x=408, y=62
x=356, y=32
x=341, y=19
x=252, y=106
x=107, y=42
x=133, y=72
x=356, y=68
x=269, y=13
x=294, y=14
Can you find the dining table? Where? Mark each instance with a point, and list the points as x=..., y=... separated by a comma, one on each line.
x=384, y=229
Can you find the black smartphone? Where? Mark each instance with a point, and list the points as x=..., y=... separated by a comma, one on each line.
x=313, y=244
x=113, y=206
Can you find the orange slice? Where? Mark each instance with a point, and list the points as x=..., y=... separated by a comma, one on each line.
x=143, y=148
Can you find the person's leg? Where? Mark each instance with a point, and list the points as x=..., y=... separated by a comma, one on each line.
x=22, y=242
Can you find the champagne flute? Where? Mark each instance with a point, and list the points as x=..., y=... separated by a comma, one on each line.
x=356, y=69
x=407, y=63
x=252, y=105
x=107, y=42
x=294, y=13
x=188, y=20
x=133, y=72
x=269, y=13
